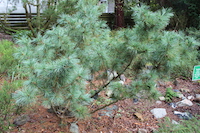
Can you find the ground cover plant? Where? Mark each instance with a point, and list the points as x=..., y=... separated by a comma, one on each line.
x=185, y=126
x=7, y=106
x=7, y=61
x=59, y=63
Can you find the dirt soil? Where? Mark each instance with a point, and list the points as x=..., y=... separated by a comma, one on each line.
x=123, y=120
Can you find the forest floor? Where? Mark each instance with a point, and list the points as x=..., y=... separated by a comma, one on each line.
x=122, y=120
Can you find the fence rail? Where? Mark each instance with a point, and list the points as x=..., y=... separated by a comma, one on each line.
x=18, y=21
x=15, y=20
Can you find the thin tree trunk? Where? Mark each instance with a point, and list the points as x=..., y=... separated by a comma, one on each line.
x=119, y=14
x=38, y=16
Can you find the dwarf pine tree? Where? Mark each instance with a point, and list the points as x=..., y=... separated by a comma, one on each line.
x=59, y=63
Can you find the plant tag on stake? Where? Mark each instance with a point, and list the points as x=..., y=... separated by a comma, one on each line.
x=196, y=73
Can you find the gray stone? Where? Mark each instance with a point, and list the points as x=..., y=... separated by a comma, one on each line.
x=173, y=105
x=122, y=78
x=114, y=107
x=107, y=113
x=158, y=102
x=21, y=120
x=74, y=128
x=175, y=90
x=140, y=130
x=183, y=115
x=175, y=122
x=159, y=112
x=198, y=96
x=184, y=102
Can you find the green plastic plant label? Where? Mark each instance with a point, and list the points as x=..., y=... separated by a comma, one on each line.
x=196, y=73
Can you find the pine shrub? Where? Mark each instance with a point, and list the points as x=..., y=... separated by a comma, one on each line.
x=60, y=62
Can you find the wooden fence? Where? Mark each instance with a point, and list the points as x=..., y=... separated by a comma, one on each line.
x=15, y=20
x=18, y=21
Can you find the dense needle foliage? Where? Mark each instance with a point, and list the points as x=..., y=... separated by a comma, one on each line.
x=60, y=62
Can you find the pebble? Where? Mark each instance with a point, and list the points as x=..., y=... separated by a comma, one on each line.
x=74, y=128
x=184, y=102
x=162, y=98
x=183, y=115
x=159, y=112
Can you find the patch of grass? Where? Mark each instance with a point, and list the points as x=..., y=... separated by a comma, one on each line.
x=169, y=94
x=7, y=61
x=7, y=107
x=185, y=126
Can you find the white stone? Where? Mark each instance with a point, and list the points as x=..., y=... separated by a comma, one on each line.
x=109, y=93
x=184, y=102
x=190, y=97
x=111, y=74
x=162, y=98
x=159, y=112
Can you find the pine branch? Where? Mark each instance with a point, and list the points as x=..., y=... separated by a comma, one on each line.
x=106, y=105
x=104, y=86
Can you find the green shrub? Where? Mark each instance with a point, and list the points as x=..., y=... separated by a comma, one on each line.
x=7, y=61
x=7, y=108
x=185, y=126
x=169, y=94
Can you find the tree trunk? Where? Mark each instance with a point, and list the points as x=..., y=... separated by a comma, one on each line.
x=38, y=16
x=119, y=14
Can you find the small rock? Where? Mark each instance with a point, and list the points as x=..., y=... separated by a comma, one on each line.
x=74, y=128
x=198, y=96
x=21, y=120
x=140, y=130
x=158, y=102
x=107, y=113
x=175, y=122
x=135, y=100
x=190, y=97
x=185, y=90
x=109, y=93
x=175, y=90
x=139, y=116
x=184, y=102
x=159, y=112
x=162, y=98
x=111, y=74
x=180, y=95
x=114, y=107
x=122, y=78
x=185, y=115
x=173, y=105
